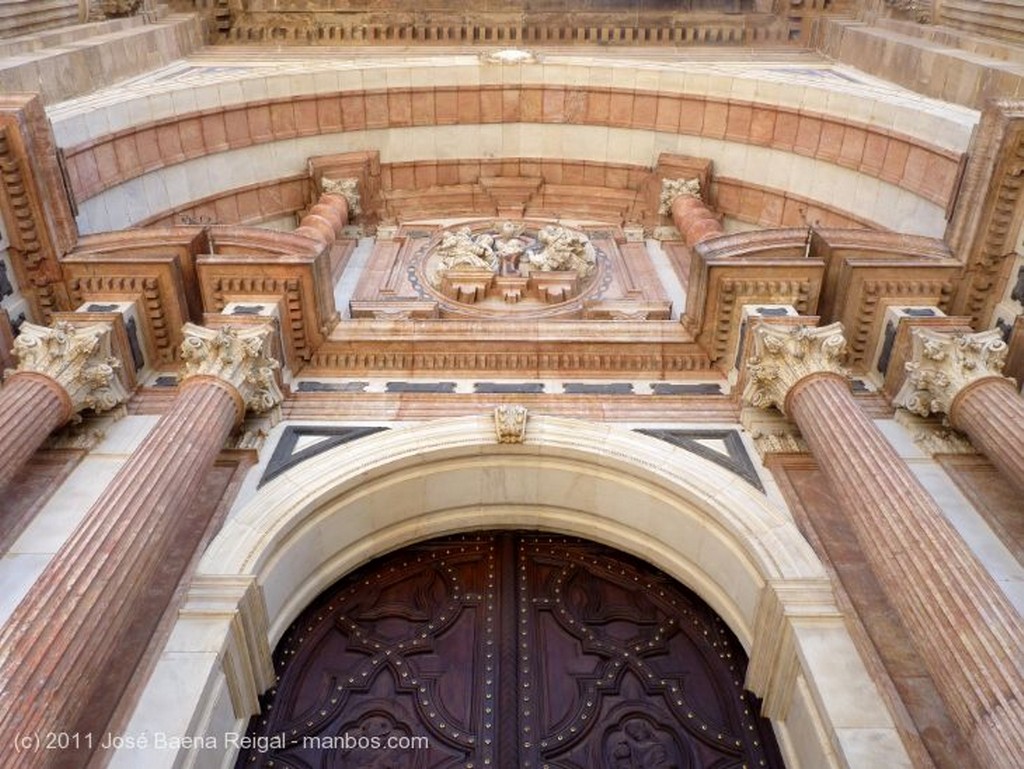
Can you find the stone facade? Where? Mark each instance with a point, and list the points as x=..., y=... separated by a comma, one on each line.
x=747, y=314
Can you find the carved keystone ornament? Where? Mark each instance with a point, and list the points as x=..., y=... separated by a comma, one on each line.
x=510, y=423
x=78, y=358
x=783, y=355
x=942, y=365
x=237, y=356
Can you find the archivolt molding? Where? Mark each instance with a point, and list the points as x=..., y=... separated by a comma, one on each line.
x=342, y=508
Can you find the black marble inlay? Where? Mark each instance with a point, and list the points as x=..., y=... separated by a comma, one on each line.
x=133, y=341
x=508, y=387
x=286, y=457
x=1006, y=329
x=613, y=388
x=6, y=287
x=698, y=388
x=772, y=312
x=1017, y=294
x=421, y=387
x=919, y=312
x=167, y=380
x=101, y=308
x=887, y=342
x=332, y=387
x=860, y=386
x=247, y=309
x=738, y=461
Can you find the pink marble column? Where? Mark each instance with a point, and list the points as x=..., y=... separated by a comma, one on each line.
x=31, y=407
x=59, y=640
x=991, y=413
x=61, y=371
x=960, y=375
x=330, y=215
x=968, y=634
x=681, y=198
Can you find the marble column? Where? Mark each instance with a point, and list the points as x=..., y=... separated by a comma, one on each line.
x=330, y=215
x=959, y=375
x=681, y=198
x=61, y=637
x=61, y=371
x=966, y=631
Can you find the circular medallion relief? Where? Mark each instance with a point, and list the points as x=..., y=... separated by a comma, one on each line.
x=497, y=268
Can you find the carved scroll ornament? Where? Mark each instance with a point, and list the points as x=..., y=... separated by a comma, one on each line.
x=783, y=355
x=237, y=356
x=942, y=365
x=78, y=358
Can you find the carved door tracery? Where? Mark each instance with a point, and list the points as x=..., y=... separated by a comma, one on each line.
x=511, y=651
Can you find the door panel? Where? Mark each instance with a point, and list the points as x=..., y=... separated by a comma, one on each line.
x=514, y=651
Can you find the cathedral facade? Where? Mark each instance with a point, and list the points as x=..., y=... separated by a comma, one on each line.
x=594, y=385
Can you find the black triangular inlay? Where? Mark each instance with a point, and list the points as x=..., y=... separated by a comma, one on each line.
x=738, y=461
x=286, y=457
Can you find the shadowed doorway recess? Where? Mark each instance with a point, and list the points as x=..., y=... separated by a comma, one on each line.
x=513, y=651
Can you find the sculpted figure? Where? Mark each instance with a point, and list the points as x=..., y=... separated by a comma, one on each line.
x=459, y=250
x=563, y=249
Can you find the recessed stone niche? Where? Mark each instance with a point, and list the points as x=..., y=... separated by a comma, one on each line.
x=507, y=268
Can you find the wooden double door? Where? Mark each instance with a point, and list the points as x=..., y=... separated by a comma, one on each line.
x=509, y=651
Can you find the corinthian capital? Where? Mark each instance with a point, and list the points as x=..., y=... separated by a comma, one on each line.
x=347, y=188
x=942, y=365
x=238, y=356
x=676, y=188
x=783, y=355
x=78, y=358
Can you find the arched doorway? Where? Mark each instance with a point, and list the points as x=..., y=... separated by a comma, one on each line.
x=510, y=650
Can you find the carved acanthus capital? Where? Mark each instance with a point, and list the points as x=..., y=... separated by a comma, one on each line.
x=510, y=423
x=784, y=354
x=238, y=356
x=78, y=358
x=676, y=188
x=346, y=188
x=943, y=364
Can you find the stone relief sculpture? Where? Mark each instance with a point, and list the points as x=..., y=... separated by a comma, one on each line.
x=461, y=250
x=563, y=249
x=507, y=249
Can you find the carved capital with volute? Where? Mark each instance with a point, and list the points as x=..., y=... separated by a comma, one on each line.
x=671, y=189
x=785, y=354
x=942, y=365
x=237, y=356
x=78, y=358
x=346, y=188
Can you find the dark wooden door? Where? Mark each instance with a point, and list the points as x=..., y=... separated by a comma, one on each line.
x=509, y=651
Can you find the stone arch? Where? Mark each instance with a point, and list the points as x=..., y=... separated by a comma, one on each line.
x=685, y=515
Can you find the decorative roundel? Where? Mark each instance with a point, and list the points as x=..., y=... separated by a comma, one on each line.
x=497, y=268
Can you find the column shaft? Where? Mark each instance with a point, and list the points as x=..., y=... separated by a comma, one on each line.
x=966, y=630
x=991, y=412
x=61, y=636
x=31, y=407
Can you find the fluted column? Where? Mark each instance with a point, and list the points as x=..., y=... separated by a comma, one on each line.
x=960, y=375
x=61, y=370
x=60, y=638
x=968, y=634
x=681, y=198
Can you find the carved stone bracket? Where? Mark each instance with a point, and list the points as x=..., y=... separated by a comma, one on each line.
x=675, y=188
x=347, y=188
x=510, y=423
x=784, y=354
x=942, y=365
x=933, y=438
x=238, y=356
x=78, y=358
